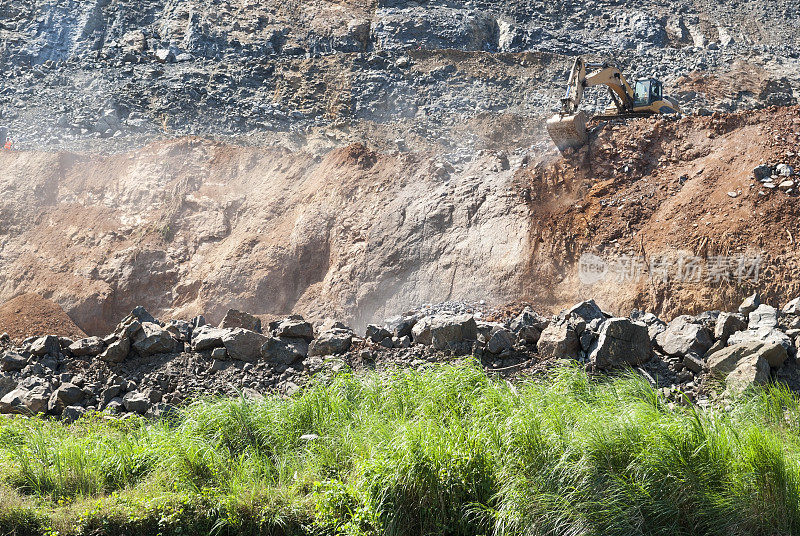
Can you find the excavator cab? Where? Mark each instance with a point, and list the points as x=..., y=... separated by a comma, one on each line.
x=646, y=92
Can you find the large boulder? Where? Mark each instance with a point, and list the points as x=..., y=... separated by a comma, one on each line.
x=749, y=373
x=90, y=346
x=335, y=341
x=207, y=338
x=727, y=324
x=528, y=326
x=47, y=345
x=377, y=333
x=723, y=362
x=621, y=342
x=117, y=351
x=500, y=340
x=12, y=362
x=558, y=341
x=750, y=304
x=153, y=339
x=764, y=316
x=421, y=332
x=284, y=350
x=449, y=330
x=66, y=395
x=180, y=330
x=136, y=402
x=763, y=334
x=684, y=335
x=243, y=344
x=587, y=310
x=23, y=400
x=292, y=327
x=7, y=385
x=654, y=324
x=238, y=319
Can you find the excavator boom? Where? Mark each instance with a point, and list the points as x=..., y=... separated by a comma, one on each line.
x=568, y=127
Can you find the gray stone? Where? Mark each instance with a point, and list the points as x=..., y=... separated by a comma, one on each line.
x=238, y=319
x=764, y=171
x=72, y=413
x=528, y=326
x=140, y=313
x=726, y=360
x=284, y=350
x=683, y=335
x=164, y=55
x=180, y=330
x=400, y=326
x=376, y=333
x=728, y=324
x=153, y=339
x=587, y=310
x=421, y=332
x=763, y=316
x=654, y=324
x=117, y=351
x=750, y=304
x=24, y=400
x=47, y=345
x=136, y=402
x=292, y=327
x=66, y=395
x=765, y=334
x=115, y=405
x=749, y=373
x=206, y=337
x=243, y=344
x=90, y=346
x=621, y=342
x=7, y=385
x=331, y=342
x=12, y=362
x=501, y=340
x=693, y=363
x=558, y=341
x=792, y=308
x=784, y=170
x=219, y=353
x=448, y=330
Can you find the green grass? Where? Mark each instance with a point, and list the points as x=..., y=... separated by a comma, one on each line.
x=445, y=451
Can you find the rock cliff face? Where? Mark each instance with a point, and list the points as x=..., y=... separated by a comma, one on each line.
x=356, y=158
x=99, y=75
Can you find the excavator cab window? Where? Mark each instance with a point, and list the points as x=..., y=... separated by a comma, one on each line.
x=646, y=92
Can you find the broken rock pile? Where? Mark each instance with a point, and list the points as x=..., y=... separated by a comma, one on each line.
x=147, y=367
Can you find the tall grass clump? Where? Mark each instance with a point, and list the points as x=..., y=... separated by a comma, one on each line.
x=442, y=451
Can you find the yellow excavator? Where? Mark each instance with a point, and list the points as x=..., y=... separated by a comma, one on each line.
x=568, y=127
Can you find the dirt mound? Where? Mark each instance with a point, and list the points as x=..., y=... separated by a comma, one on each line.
x=657, y=191
x=30, y=314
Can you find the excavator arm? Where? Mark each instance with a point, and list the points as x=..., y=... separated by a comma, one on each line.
x=621, y=91
x=568, y=127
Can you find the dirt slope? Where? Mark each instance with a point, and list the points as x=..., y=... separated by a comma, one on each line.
x=29, y=315
x=192, y=226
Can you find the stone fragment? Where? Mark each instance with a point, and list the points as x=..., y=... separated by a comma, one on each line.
x=243, y=344
x=238, y=319
x=621, y=342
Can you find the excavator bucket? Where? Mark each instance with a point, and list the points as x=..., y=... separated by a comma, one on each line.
x=568, y=131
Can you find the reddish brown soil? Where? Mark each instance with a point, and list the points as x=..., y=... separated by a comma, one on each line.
x=657, y=187
x=29, y=315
